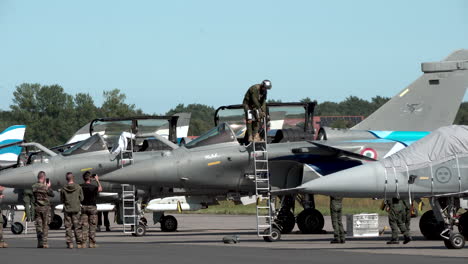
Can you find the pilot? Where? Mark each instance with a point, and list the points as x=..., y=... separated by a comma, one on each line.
x=396, y=219
x=255, y=108
x=42, y=192
x=2, y=242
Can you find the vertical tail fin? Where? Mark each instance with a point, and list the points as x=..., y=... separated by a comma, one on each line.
x=430, y=102
x=183, y=124
x=9, y=155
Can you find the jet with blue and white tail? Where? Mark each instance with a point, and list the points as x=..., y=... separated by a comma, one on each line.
x=9, y=155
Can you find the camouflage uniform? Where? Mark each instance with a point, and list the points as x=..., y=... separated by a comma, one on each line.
x=89, y=213
x=89, y=223
x=336, y=205
x=42, y=211
x=71, y=195
x=254, y=99
x=28, y=199
x=396, y=218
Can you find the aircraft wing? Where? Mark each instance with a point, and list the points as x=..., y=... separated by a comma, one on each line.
x=347, y=151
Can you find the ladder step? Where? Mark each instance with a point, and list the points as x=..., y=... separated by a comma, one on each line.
x=263, y=216
x=263, y=226
x=261, y=160
x=263, y=207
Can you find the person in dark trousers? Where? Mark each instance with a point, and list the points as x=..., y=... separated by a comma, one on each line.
x=2, y=242
x=397, y=221
x=41, y=192
x=100, y=214
x=88, y=219
x=336, y=205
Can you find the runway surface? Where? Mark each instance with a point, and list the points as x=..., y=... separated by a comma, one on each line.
x=199, y=240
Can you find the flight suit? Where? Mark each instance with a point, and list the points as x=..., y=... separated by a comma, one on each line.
x=336, y=205
x=28, y=199
x=41, y=195
x=407, y=214
x=254, y=99
x=397, y=218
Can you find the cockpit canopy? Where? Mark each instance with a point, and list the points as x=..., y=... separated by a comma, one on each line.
x=92, y=144
x=220, y=134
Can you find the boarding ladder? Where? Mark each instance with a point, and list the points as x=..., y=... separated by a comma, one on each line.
x=129, y=211
x=264, y=205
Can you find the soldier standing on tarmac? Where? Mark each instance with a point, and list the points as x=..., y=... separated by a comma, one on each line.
x=336, y=205
x=41, y=191
x=397, y=220
x=2, y=242
x=71, y=196
x=255, y=108
x=89, y=210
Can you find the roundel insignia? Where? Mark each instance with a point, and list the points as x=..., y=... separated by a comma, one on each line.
x=443, y=174
x=369, y=152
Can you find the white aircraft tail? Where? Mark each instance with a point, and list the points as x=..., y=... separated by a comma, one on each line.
x=9, y=155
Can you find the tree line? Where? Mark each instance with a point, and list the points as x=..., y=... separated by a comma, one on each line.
x=52, y=116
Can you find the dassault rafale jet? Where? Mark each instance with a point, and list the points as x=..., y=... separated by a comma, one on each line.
x=102, y=151
x=217, y=163
x=435, y=167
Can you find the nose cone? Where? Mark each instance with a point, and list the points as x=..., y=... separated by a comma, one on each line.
x=21, y=178
x=366, y=180
x=149, y=172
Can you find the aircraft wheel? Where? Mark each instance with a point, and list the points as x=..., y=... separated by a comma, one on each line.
x=5, y=221
x=17, y=228
x=56, y=222
x=287, y=221
x=140, y=231
x=463, y=225
x=456, y=241
x=169, y=223
x=275, y=235
x=310, y=221
x=430, y=227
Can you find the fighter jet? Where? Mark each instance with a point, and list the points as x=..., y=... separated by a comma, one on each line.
x=435, y=167
x=103, y=151
x=216, y=163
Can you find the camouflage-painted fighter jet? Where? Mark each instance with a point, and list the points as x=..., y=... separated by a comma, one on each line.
x=435, y=167
x=216, y=163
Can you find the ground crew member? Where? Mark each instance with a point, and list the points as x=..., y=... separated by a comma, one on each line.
x=28, y=199
x=89, y=210
x=71, y=196
x=2, y=242
x=255, y=108
x=41, y=192
x=336, y=205
x=407, y=214
x=101, y=214
x=396, y=219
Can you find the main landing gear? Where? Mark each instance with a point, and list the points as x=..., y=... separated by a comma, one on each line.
x=445, y=210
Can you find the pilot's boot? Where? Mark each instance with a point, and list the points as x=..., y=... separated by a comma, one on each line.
x=251, y=138
x=3, y=245
x=70, y=245
x=335, y=241
x=45, y=246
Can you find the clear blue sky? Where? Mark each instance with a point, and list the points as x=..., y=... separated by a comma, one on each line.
x=161, y=53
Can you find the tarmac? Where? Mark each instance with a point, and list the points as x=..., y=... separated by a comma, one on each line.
x=199, y=239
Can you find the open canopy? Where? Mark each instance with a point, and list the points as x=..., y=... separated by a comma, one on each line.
x=220, y=134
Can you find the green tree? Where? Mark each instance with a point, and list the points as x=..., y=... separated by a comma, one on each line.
x=202, y=117
x=114, y=105
x=85, y=110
